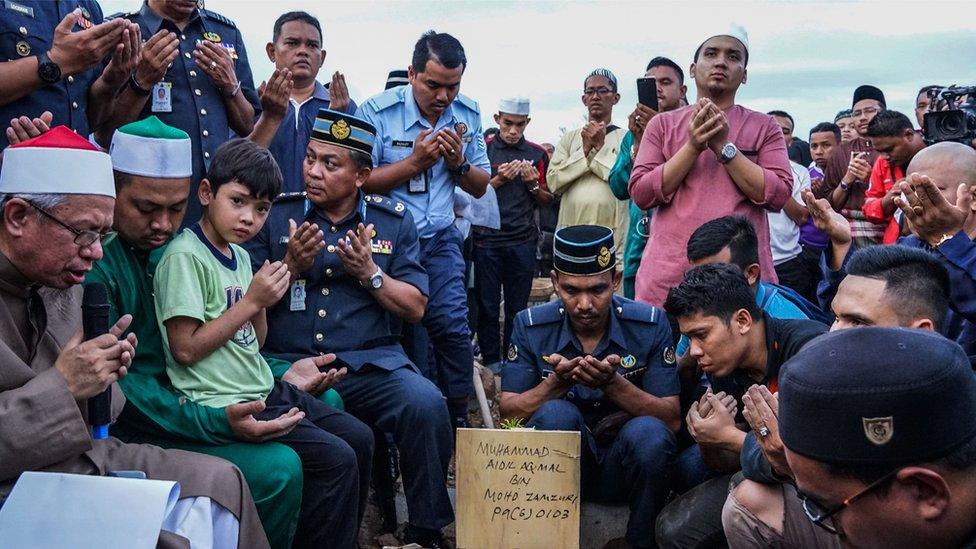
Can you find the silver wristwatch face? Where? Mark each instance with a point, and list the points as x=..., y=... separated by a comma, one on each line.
x=728, y=151
x=376, y=281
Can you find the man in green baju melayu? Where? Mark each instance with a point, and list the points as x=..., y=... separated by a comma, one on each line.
x=152, y=166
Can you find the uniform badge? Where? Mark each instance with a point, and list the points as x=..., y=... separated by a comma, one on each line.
x=84, y=19
x=212, y=36
x=461, y=128
x=381, y=246
x=340, y=130
x=512, y=352
x=399, y=207
x=23, y=49
x=603, y=259
x=669, y=357
x=230, y=49
x=879, y=430
x=628, y=361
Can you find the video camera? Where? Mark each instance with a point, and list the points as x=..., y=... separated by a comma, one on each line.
x=949, y=120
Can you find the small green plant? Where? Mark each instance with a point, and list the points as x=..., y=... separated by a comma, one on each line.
x=512, y=423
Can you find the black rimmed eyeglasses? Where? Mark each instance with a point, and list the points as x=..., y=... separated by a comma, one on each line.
x=82, y=238
x=818, y=513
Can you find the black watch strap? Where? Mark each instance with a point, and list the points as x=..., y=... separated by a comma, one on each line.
x=136, y=87
x=48, y=71
x=463, y=169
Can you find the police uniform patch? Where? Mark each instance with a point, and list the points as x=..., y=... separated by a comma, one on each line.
x=461, y=128
x=23, y=49
x=669, y=357
x=512, y=352
x=212, y=36
x=340, y=130
x=628, y=361
x=603, y=259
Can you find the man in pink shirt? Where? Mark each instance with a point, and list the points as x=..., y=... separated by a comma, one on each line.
x=707, y=160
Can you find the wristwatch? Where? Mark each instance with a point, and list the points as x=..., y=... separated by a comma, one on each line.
x=462, y=170
x=48, y=71
x=844, y=186
x=375, y=282
x=728, y=152
x=136, y=87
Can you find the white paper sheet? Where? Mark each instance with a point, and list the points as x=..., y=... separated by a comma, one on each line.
x=57, y=510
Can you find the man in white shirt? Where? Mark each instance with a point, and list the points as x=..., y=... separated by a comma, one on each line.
x=784, y=235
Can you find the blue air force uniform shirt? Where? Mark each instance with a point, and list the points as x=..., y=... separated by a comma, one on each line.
x=27, y=30
x=291, y=141
x=430, y=195
x=326, y=310
x=639, y=334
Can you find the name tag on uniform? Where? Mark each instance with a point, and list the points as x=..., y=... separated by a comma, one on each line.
x=297, y=295
x=19, y=8
x=404, y=144
x=162, y=97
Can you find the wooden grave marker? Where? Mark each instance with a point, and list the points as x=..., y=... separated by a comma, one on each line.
x=517, y=488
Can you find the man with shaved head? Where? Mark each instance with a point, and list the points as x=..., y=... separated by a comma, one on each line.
x=940, y=208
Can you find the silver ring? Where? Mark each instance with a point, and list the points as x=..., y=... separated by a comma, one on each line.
x=213, y=64
x=764, y=431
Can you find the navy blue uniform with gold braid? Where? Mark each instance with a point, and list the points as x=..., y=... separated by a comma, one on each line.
x=196, y=105
x=27, y=30
x=630, y=466
x=333, y=313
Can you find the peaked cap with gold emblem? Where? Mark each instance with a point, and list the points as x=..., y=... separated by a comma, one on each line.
x=344, y=130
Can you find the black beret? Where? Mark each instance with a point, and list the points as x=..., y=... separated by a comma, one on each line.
x=584, y=250
x=868, y=92
x=344, y=130
x=877, y=396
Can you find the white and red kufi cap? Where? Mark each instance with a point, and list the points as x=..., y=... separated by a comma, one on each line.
x=56, y=162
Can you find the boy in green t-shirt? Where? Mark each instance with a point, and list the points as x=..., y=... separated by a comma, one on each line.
x=211, y=312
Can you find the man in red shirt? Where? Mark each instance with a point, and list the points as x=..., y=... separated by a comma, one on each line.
x=896, y=142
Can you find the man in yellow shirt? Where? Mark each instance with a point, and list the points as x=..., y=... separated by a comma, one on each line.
x=580, y=167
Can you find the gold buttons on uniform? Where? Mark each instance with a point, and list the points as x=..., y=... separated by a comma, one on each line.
x=328, y=271
x=331, y=248
x=325, y=291
x=322, y=313
x=319, y=337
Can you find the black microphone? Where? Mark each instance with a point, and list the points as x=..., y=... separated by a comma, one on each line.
x=94, y=322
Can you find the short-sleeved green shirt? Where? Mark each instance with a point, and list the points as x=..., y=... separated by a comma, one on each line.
x=196, y=280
